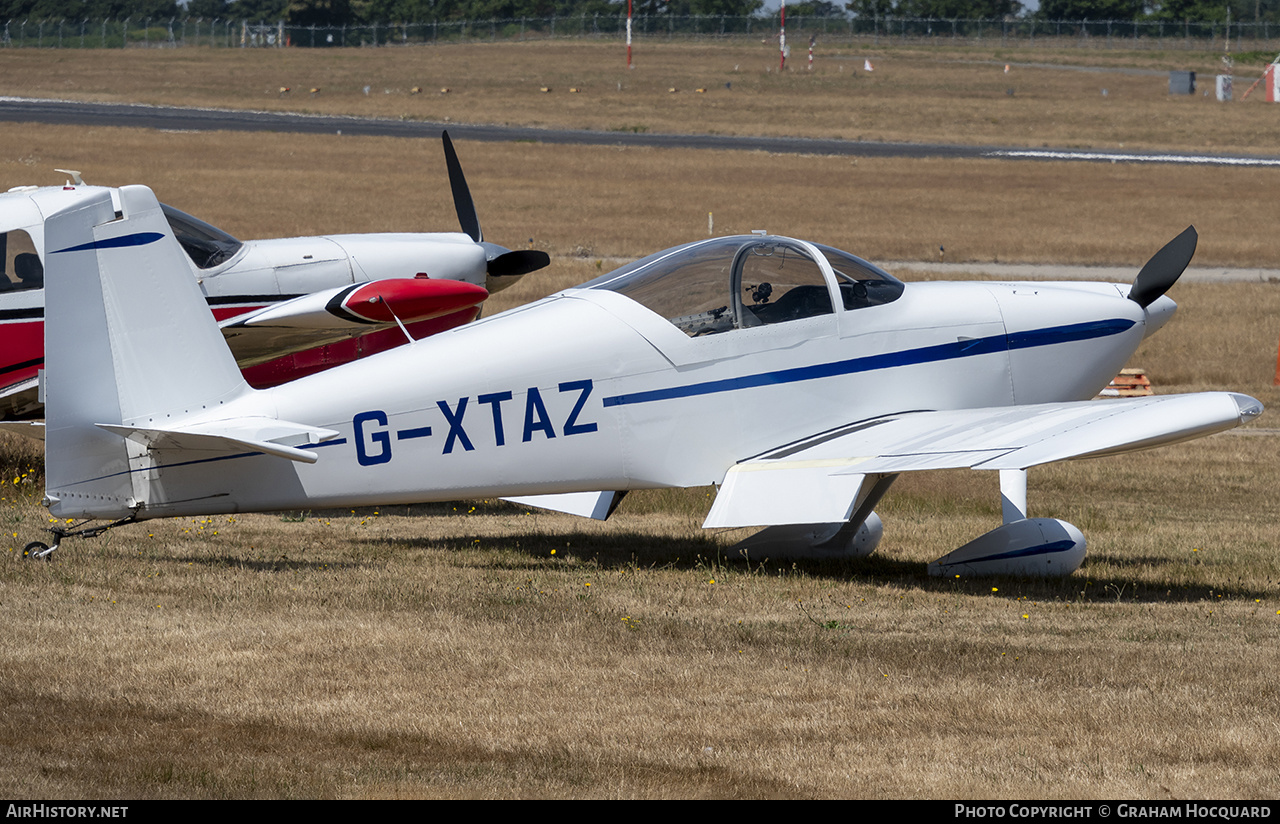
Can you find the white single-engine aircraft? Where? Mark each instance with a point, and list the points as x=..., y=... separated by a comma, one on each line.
x=289, y=306
x=800, y=379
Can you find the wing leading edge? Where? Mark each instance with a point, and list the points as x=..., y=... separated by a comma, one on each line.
x=817, y=480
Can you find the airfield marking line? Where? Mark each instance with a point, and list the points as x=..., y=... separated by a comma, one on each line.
x=1122, y=157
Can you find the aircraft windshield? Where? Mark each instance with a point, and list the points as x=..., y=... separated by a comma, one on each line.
x=208, y=246
x=861, y=283
x=729, y=283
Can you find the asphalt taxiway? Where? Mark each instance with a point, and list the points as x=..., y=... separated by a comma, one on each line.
x=175, y=118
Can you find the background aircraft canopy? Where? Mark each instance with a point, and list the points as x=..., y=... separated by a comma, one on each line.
x=716, y=285
x=206, y=245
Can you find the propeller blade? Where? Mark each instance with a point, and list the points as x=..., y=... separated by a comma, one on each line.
x=1164, y=268
x=519, y=262
x=502, y=262
x=462, y=202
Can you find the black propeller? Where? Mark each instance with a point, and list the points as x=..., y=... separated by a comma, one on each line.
x=505, y=263
x=462, y=202
x=502, y=262
x=1164, y=268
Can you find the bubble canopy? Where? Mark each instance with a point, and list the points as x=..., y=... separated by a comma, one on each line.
x=717, y=285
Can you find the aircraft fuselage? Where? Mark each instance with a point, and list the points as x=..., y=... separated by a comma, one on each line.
x=588, y=391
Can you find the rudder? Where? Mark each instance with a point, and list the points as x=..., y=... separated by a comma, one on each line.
x=128, y=340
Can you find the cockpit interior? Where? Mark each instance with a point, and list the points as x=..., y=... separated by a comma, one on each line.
x=728, y=283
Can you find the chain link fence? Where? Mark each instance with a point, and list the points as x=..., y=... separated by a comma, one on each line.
x=194, y=31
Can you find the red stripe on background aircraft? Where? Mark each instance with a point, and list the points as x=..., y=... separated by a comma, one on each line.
x=288, y=307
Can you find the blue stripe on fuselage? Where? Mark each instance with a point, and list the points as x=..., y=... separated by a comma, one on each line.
x=909, y=357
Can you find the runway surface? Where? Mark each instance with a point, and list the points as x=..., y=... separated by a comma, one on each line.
x=172, y=118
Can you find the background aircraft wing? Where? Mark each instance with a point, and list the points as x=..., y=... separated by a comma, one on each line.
x=816, y=480
x=20, y=399
x=336, y=314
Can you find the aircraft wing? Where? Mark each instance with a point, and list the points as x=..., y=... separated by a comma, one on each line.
x=336, y=314
x=817, y=480
x=19, y=399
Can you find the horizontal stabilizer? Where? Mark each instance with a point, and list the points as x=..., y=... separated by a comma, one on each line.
x=235, y=437
x=817, y=480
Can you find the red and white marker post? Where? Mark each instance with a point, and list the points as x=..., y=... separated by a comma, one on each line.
x=782, y=38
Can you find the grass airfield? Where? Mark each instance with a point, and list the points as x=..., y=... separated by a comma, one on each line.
x=484, y=650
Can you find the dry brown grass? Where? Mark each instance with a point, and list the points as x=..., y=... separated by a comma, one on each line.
x=959, y=95
x=604, y=204
x=488, y=651
x=483, y=650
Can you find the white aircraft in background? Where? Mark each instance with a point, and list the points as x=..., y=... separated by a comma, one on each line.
x=347, y=287
x=800, y=379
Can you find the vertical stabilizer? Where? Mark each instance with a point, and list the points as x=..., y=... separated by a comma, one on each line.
x=128, y=340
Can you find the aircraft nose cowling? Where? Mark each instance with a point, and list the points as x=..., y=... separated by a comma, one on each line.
x=444, y=256
x=1157, y=314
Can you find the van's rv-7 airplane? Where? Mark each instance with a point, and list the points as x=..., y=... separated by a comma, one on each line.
x=798, y=378
x=288, y=306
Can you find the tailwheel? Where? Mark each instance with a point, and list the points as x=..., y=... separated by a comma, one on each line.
x=37, y=550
